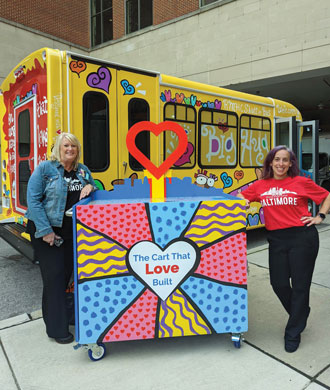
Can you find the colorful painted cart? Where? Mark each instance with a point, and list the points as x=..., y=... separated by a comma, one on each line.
x=157, y=269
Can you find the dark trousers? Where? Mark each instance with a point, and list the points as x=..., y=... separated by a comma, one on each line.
x=292, y=255
x=56, y=265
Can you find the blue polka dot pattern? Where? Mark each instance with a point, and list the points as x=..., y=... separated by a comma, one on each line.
x=100, y=303
x=225, y=307
x=170, y=219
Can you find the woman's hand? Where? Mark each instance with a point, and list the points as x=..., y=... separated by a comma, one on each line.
x=309, y=221
x=49, y=238
x=247, y=202
x=86, y=191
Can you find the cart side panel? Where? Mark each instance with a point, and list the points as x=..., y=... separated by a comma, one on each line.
x=163, y=269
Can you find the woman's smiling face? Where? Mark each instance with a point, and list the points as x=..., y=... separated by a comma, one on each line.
x=281, y=164
x=68, y=152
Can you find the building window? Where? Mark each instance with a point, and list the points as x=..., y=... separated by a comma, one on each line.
x=138, y=15
x=101, y=23
x=207, y=2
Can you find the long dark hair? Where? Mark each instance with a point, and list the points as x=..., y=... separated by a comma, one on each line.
x=268, y=173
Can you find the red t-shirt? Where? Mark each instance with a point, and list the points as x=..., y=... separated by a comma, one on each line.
x=285, y=201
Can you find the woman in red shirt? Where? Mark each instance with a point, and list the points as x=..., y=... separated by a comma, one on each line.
x=292, y=236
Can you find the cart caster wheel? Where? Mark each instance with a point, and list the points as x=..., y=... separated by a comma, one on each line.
x=236, y=338
x=97, y=352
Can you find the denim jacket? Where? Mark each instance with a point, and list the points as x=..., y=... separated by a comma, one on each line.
x=47, y=192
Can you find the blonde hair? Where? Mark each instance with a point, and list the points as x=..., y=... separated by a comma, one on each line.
x=56, y=154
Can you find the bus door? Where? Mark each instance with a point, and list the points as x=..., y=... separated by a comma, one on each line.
x=93, y=115
x=25, y=156
x=138, y=96
x=286, y=133
x=308, y=152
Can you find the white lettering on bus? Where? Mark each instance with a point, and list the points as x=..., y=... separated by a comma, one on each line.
x=10, y=119
x=222, y=146
x=42, y=137
x=255, y=143
x=42, y=107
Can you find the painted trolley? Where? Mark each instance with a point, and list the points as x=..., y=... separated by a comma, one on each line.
x=147, y=269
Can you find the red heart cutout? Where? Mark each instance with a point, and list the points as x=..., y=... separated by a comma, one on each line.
x=157, y=172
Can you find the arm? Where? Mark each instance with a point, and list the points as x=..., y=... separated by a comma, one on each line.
x=86, y=191
x=36, y=211
x=90, y=187
x=325, y=207
x=247, y=202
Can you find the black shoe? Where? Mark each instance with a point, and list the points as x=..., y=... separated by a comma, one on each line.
x=65, y=340
x=292, y=344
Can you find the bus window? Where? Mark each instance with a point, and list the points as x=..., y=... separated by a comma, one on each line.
x=185, y=116
x=217, y=138
x=24, y=133
x=138, y=110
x=254, y=140
x=96, y=131
x=24, y=146
x=24, y=175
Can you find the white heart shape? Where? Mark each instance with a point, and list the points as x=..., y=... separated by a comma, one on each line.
x=162, y=270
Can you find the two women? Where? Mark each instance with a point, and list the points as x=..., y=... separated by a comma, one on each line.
x=292, y=236
x=54, y=187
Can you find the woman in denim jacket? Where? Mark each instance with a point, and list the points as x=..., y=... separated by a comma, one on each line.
x=54, y=187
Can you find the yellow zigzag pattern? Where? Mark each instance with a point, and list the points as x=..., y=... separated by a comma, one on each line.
x=91, y=265
x=182, y=320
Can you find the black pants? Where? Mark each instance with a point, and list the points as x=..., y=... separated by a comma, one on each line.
x=292, y=255
x=56, y=265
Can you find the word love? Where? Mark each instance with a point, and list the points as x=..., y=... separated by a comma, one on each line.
x=162, y=270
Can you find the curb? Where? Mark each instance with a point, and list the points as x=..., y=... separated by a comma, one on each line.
x=20, y=319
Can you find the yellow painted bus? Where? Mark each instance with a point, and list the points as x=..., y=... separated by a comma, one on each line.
x=50, y=91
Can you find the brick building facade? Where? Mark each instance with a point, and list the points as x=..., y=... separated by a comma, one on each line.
x=66, y=19
x=164, y=11
x=70, y=19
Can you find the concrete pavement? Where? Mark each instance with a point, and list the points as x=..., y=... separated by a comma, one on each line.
x=31, y=361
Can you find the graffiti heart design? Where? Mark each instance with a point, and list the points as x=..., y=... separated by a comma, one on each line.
x=101, y=79
x=193, y=100
x=185, y=158
x=157, y=172
x=128, y=88
x=238, y=175
x=262, y=216
x=179, y=97
x=227, y=180
x=77, y=67
x=253, y=220
x=162, y=270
